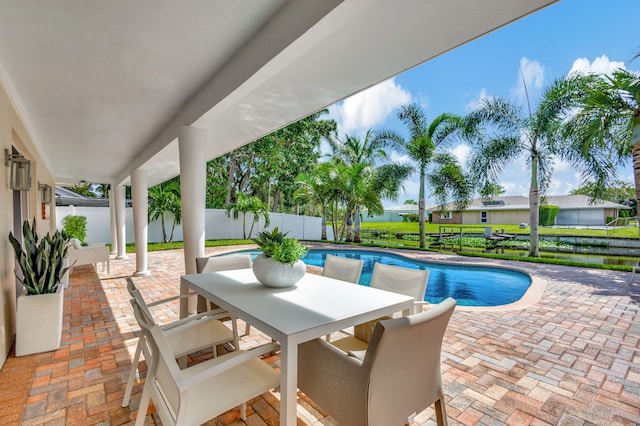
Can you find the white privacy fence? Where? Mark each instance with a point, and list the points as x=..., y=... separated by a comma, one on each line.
x=217, y=225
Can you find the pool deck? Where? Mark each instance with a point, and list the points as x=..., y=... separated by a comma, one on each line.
x=569, y=355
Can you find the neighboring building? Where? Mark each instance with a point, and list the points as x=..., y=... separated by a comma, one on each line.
x=66, y=197
x=575, y=210
x=391, y=214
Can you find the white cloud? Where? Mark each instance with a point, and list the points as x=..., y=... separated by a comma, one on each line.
x=475, y=103
x=514, y=188
x=560, y=165
x=530, y=79
x=560, y=186
x=600, y=65
x=397, y=158
x=369, y=108
x=462, y=153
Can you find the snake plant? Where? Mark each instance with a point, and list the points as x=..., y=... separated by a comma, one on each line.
x=41, y=260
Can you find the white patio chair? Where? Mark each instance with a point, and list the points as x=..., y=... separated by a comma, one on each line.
x=397, y=279
x=184, y=336
x=342, y=268
x=89, y=255
x=221, y=263
x=205, y=390
x=398, y=376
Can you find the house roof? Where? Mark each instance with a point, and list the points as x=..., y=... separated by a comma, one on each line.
x=518, y=202
x=66, y=197
x=403, y=208
x=103, y=87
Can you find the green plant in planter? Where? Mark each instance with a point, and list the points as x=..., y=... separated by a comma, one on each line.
x=277, y=246
x=41, y=260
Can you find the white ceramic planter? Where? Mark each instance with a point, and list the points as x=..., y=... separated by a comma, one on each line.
x=39, y=322
x=272, y=273
x=65, y=278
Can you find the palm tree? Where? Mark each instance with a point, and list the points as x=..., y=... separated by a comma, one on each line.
x=318, y=187
x=366, y=176
x=246, y=204
x=165, y=199
x=503, y=131
x=425, y=147
x=608, y=124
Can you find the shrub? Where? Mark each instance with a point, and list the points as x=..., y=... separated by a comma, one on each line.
x=624, y=213
x=410, y=217
x=75, y=227
x=548, y=215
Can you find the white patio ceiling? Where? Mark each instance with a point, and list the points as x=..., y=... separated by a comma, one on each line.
x=104, y=86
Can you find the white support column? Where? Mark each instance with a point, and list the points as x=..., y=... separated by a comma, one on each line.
x=121, y=229
x=192, y=142
x=140, y=222
x=112, y=218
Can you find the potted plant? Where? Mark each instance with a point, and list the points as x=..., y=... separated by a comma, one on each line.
x=39, y=307
x=279, y=264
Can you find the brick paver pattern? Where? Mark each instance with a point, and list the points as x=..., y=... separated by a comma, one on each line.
x=571, y=359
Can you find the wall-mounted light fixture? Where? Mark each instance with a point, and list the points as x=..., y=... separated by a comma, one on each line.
x=20, y=179
x=45, y=193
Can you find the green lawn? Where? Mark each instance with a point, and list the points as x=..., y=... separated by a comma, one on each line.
x=131, y=248
x=394, y=227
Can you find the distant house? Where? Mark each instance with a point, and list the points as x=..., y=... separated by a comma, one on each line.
x=391, y=214
x=66, y=197
x=575, y=210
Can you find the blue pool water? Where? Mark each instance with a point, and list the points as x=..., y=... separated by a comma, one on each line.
x=469, y=285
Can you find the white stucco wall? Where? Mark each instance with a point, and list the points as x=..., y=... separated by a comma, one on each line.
x=13, y=133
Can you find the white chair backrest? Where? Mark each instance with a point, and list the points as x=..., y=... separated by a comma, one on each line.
x=398, y=279
x=167, y=372
x=223, y=263
x=343, y=268
x=142, y=305
x=413, y=374
x=131, y=287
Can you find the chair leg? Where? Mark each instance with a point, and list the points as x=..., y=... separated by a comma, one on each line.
x=144, y=403
x=234, y=330
x=441, y=412
x=132, y=373
x=243, y=411
x=247, y=329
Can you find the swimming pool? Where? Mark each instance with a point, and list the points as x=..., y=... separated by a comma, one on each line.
x=470, y=285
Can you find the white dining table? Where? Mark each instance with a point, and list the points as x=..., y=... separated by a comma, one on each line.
x=313, y=307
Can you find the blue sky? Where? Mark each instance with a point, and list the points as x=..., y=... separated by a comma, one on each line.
x=569, y=35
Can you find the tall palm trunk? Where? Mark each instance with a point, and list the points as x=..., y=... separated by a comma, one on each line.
x=323, y=224
x=244, y=226
x=349, y=237
x=173, y=228
x=356, y=237
x=164, y=232
x=534, y=208
x=230, y=175
x=421, y=208
x=334, y=221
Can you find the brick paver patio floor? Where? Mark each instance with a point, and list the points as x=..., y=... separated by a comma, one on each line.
x=573, y=358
